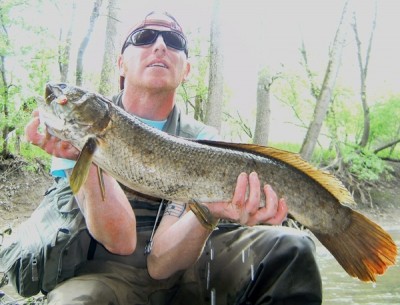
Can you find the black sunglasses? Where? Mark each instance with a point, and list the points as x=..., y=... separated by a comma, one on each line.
x=144, y=37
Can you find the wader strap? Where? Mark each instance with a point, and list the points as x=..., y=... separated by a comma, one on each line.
x=149, y=245
x=92, y=248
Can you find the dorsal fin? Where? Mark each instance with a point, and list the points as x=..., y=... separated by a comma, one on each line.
x=325, y=179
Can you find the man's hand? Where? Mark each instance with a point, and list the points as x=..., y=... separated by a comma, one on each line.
x=246, y=209
x=47, y=142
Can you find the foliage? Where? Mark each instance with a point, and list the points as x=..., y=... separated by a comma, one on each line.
x=385, y=123
x=36, y=158
x=292, y=91
x=344, y=122
x=193, y=92
x=364, y=164
x=292, y=147
x=25, y=70
x=236, y=128
x=343, y=128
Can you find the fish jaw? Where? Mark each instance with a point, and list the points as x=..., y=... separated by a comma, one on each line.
x=72, y=113
x=55, y=91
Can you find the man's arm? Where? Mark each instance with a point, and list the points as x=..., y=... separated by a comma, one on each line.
x=178, y=242
x=180, y=238
x=110, y=221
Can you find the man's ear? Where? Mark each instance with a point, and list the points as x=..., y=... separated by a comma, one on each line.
x=187, y=71
x=121, y=65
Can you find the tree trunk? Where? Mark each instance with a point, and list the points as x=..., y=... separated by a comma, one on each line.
x=327, y=87
x=263, y=109
x=216, y=83
x=4, y=89
x=107, y=87
x=198, y=108
x=4, y=106
x=64, y=51
x=85, y=41
x=363, y=77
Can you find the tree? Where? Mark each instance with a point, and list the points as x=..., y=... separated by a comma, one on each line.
x=85, y=41
x=106, y=87
x=64, y=50
x=363, y=75
x=17, y=55
x=325, y=94
x=263, y=107
x=193, y=91
x=5, y=85
x=216, y=82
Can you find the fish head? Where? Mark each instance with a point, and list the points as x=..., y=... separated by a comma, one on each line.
x=70, y=112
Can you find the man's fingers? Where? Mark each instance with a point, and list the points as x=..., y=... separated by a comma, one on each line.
x=275, y=210
x=31, y=131
x=47, y=142
x=246, y=209
x=239, y=196
x=253, y=202
x=271, y=201
x=35, y=113
x=281, y=213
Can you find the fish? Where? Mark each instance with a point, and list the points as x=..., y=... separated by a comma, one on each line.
x=183, y=170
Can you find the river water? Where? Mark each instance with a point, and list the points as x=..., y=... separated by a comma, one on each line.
x=339, y=288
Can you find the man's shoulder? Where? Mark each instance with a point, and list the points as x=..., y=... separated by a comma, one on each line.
x=191, y=128
x=117, y=99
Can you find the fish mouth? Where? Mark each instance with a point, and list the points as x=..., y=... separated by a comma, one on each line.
x=52, y=91
x=49, y=93
x=49, y=112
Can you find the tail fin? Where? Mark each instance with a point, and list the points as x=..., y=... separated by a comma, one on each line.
x=364, y=249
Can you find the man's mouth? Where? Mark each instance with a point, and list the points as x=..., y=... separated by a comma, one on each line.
x=158, y=64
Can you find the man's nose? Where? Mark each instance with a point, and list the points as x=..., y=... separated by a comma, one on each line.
x=159, y=44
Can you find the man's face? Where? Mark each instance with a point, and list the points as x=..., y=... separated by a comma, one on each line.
x=155, y=66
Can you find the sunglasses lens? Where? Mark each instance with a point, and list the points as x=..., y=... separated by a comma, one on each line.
x=174, y=40
x=144, y=37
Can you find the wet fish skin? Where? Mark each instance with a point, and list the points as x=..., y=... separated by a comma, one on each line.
x=181, y=170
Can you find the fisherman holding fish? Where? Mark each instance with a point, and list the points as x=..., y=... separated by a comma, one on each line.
x=236, y=258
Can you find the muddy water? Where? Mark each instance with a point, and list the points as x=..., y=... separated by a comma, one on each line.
x=341, y=289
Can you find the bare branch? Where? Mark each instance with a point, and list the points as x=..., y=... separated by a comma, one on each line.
x=310, y=75
x=363, y=75
x=390, y=144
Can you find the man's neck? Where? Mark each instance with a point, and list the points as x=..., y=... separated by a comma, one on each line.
x=154, y=106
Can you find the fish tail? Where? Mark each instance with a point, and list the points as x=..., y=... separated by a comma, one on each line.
x=364, y=249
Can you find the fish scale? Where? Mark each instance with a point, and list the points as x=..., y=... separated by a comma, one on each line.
x=154, y=163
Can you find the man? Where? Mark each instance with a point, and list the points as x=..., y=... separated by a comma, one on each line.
x=185, y=261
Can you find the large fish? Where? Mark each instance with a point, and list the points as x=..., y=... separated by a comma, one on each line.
x=181, y=170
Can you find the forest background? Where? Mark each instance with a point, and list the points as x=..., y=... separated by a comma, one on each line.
x=315, y=77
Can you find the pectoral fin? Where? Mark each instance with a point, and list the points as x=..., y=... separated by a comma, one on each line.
x=204, y=215
x=101, y=183
x=82, y=166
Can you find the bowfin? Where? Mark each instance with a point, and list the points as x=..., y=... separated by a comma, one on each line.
x=325, y=179
x=82, y=166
